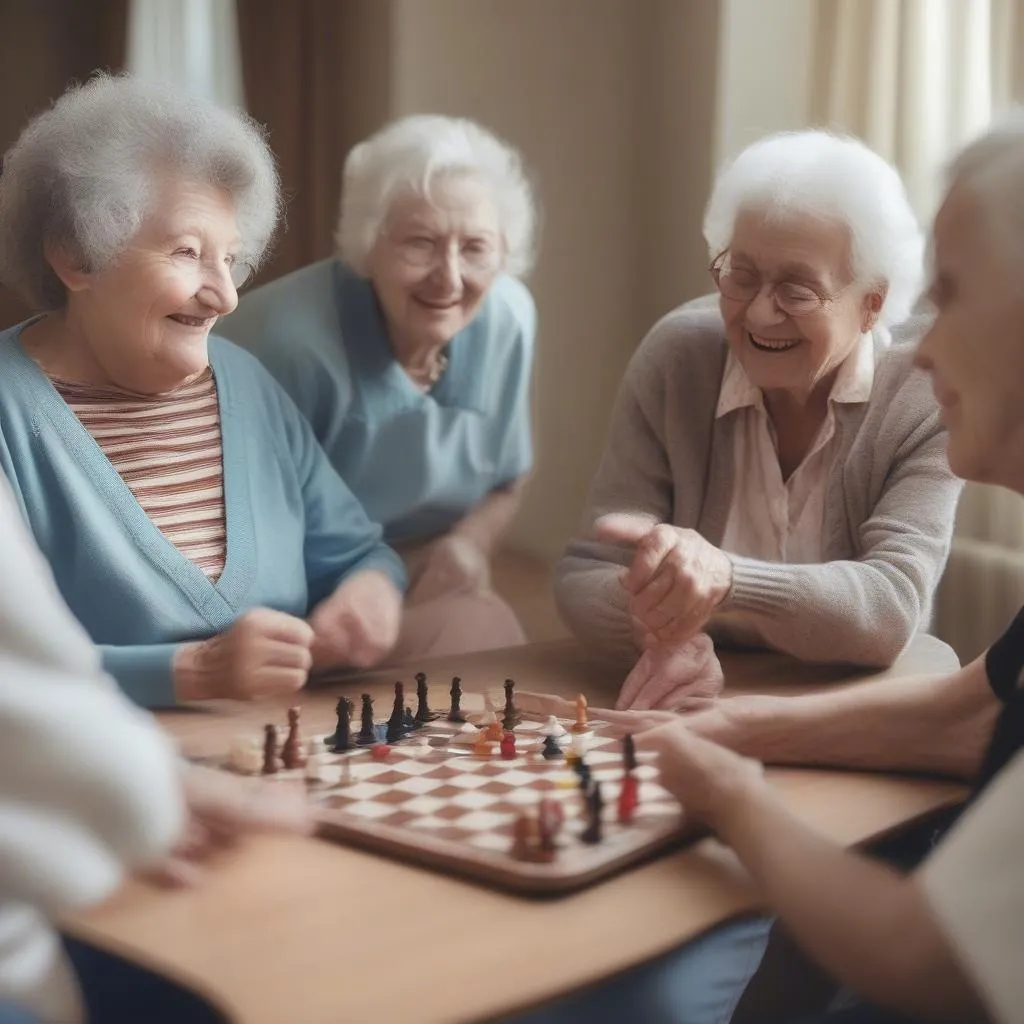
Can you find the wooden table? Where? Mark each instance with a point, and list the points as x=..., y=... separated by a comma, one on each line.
x=289, y=929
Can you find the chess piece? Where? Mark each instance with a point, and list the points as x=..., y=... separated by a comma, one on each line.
x=592, y=834
x=522, y=835
x=380, y=751
x=550, y=816
x=367, y=736
x=629, y=798
x=293, y=753
x=581, y=725
x=493, y=727
x=551, y=751
x=582, y=770
x=482, y=746
x=423, y=712
x=270, y=760
x=342, y=738
x=409, y=723
x=455, y=712
x=628, y=753
x=508, y=745
x=511, y=717
x=396, y=723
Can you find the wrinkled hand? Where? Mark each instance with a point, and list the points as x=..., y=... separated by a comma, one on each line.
x=713, y=784
x=264, y=654
x=358, y=624
x=221, y=809
x=455, y=563
x=676, y=580
x=673, y=677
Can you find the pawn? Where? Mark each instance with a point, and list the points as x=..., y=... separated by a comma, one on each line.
x=341, y=739
x=508, y=745
x=551, y=751
x=367, y=734
x=293, y=753
x=271, y=764
x=522, y=837
x=493, y=728
x=409, y=723
x=455, y=712
x=482, y=746
x=581, y=725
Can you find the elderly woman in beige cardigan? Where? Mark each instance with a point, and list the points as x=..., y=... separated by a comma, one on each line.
x=776, y=471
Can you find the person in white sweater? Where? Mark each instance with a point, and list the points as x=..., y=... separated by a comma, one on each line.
x=90, y=788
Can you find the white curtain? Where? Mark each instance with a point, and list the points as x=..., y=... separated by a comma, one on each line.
x=190, y=43
x=916, y=79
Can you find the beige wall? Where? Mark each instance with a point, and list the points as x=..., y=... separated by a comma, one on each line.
x=612, y=104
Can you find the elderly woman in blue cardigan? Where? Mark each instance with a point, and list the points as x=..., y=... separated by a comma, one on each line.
x=192, y=521
x=410, y=354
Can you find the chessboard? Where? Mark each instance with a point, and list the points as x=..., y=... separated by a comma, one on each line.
x=438, y=797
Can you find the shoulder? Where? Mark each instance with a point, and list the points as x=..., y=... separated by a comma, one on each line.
x=685, y=347
x=508, y=315
x=247, y=374
x=901, y=391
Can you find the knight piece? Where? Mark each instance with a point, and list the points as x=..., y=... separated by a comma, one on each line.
x=367, y=737
x=455, y=712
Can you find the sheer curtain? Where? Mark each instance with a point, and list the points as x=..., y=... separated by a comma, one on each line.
x=915, y=79
x=191, y=43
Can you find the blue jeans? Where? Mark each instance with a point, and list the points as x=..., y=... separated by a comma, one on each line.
x=699, y=983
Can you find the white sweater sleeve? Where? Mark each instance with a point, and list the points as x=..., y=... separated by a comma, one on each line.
x=88, y=784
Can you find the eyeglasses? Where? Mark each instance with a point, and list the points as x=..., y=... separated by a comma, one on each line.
x=794, y=298
x=423, y=252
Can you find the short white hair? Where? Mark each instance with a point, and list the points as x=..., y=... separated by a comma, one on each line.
x=408, y=155
x=837, y=178
x=83, y=176
x=991, y=169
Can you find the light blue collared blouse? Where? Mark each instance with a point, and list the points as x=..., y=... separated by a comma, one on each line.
x=417, y=462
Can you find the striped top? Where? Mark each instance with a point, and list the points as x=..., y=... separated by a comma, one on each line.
x=167, y=449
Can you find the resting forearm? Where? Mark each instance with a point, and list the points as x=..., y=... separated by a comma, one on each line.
x=593, y=604
x=925, y=723
x=864, y=923
x=488, y=520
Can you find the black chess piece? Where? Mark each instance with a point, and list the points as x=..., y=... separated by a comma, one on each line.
x=628, y=753
x=455, y=712
x=551, y=751
x=592, y=834
x=582, y=769
x=342, y=738
x=409, y=723
x=511, y=717
x=396, y=723
x=423, y=712
x=367, y=737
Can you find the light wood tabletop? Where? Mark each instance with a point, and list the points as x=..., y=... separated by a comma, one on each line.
x=295, y=929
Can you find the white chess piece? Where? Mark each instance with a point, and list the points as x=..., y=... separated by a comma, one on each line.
x=246, y=755
x=552, y=727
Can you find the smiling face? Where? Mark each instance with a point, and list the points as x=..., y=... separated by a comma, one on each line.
x=435, y=260
x=807, y=259
x=974, y=349
x=146, y=318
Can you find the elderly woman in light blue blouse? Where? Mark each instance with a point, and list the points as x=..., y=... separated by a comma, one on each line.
x=192, y=521
x=410, y=352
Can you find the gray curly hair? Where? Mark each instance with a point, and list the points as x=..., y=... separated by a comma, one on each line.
x=82, y=176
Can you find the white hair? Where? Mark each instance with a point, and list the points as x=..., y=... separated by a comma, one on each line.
x=836, y=178
x=83, y=176
x=407, y=156
x=991, y=168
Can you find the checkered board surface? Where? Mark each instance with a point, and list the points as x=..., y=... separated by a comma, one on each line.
x=433, y=803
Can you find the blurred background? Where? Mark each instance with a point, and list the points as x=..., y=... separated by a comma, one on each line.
x=622, y=109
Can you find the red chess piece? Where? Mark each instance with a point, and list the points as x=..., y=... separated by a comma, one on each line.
x=380, y=751
x=293, y=753
x=508, y=745
x=629, y=798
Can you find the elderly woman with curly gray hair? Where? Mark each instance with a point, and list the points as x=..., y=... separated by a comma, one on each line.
x=410, y=354
x=192, y=521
